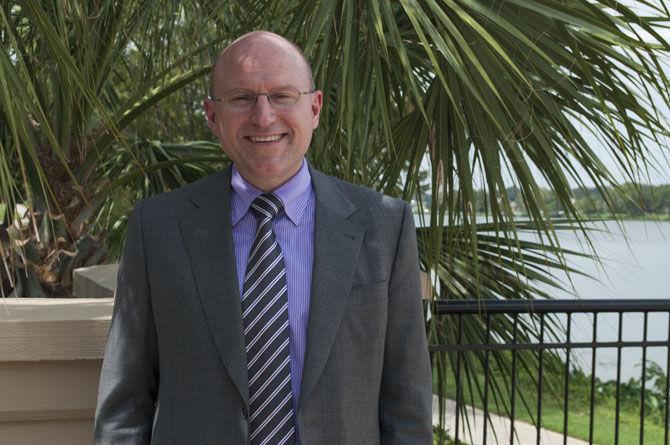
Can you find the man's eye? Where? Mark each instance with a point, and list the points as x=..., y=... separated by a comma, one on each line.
x=283, y=97
x=241, y=99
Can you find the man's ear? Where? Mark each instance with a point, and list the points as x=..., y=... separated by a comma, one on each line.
x=317, y=103
x=210, y=114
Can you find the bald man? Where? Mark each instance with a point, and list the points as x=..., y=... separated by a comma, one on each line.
x=268, y=303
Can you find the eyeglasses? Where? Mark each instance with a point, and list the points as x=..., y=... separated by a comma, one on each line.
x=243, y=101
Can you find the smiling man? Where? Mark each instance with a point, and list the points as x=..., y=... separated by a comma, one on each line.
x=269, y=303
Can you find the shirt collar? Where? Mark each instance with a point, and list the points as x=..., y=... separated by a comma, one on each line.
x=293, y=194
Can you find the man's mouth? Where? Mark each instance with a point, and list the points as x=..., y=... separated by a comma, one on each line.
x=270, y=138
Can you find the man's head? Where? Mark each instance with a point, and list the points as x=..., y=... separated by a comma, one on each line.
x=267, y=142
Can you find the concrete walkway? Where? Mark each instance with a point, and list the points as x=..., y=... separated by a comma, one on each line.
x=498, y=430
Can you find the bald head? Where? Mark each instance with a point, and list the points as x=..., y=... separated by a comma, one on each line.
x=257, y=42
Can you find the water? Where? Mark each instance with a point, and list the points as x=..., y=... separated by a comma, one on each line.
x=634, y=266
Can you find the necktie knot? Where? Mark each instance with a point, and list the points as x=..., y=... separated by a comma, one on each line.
x=266, y=206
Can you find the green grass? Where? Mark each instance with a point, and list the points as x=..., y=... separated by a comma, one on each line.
x=579, y=403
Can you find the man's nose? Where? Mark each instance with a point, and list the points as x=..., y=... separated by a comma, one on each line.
x=263, y=114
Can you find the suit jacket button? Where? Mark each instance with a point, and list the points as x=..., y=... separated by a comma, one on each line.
x=245, y=413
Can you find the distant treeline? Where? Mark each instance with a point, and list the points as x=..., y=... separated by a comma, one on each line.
x=629, y=200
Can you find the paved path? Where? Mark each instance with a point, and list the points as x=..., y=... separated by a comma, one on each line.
x=498, y=430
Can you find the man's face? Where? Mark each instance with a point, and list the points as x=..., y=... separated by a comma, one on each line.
x=266, y=144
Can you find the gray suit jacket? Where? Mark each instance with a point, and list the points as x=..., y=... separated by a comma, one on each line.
x=175, y=368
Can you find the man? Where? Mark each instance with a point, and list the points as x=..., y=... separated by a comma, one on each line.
x=268, y=303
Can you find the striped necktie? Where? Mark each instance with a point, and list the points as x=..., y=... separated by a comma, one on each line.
x=266, y=333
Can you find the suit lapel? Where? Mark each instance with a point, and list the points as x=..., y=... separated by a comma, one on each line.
x=337, y=242
x=207, y=232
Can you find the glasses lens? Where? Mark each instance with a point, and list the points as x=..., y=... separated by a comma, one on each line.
x=240, y=101
x=284, y=98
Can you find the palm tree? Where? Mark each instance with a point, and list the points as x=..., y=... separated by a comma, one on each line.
x=78, y=79
x=437, y=98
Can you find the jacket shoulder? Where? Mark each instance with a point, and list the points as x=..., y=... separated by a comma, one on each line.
x=197, y=193
x=365, y=198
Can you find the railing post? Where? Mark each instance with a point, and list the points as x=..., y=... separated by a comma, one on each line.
x=539, y=381
x=643, y=377
x=667, y=386
x=618, y=382
x=486, y=377
x=513, y=405
x=566, y=383
x=458, y=379
x=593, y=376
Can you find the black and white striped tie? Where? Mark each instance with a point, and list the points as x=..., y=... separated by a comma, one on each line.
x=265, y=318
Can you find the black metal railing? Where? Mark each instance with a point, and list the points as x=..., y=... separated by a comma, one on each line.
x=509, y=332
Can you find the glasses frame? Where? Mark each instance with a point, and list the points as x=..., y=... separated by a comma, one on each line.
x=255, y=94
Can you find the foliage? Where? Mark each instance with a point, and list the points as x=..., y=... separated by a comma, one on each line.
x=553, y=402
x=634, y=201
x=630, y=391
x=83, y=77
x=441, y=437
x=629, y=200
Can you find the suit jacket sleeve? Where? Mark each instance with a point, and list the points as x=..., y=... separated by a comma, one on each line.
x=129, y=377
x=405, y=405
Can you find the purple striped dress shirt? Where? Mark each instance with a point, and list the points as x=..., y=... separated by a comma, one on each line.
x=294, y=229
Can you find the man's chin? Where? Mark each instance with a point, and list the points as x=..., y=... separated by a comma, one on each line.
x=269, y=176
